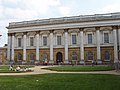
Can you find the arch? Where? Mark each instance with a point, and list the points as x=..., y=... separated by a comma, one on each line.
x=59, y=57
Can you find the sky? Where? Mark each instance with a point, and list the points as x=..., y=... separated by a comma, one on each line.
x=24, y=10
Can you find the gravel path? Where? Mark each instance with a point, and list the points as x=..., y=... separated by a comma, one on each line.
x=39, y=70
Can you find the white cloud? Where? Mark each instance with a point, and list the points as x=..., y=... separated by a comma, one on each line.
x=115, y=7
x=64, y=11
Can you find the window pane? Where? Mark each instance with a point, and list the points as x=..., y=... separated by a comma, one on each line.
x=89, y=38
x=31, y=56
x=58, y=40
x=90, y=56
x=31, y=41
x=73, y=39
x=106, y=38
x=107, y=55
x=74, y=56
x=19, y=56
x=19, y=42
x=44, y=41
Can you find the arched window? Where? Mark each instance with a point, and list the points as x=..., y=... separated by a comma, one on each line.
x=45, y=57
x=107, y=55
x=32, y=56
x=90, y=55
x=19, y=56
x=74, y=56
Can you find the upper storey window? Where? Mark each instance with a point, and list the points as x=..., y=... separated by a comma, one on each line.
x=19, y=42
x=31, y=41
x=106, y=38
x=89, y=38
x=74, y=40
x=58, y=40
x=44, y=41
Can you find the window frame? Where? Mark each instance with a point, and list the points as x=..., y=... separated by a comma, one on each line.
x=59, y=42
x=74, y=39
x=45, y=42
x=89, y=55
x=19, y=42
x=31, y=42
x=90, y=39
x=106, y=39
x=107, y=53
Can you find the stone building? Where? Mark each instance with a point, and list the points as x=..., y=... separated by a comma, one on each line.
x=3, y=55
x=79, y=39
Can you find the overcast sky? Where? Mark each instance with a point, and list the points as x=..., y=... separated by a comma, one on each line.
x=21, y=10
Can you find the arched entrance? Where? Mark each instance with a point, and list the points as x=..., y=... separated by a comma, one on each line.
x=59, y=58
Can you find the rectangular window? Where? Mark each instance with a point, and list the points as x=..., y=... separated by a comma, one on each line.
x=44, y=41
x=31, y=41
x=74, y=39
x=19, y=42
x=89, y=38
x=106, y=38
x=58, y=40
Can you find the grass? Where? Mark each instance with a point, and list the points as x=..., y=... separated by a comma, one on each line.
x=60, y=82
x=80, y=68
x=5, y=69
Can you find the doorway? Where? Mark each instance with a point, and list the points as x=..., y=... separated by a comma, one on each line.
x=59, y=58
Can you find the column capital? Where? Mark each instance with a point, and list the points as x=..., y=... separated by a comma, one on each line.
x=24, y=33
x=97, y=28
x=81, y=29
x=114, y=27
x=51, y=31
x=66, y=30
x=9, y=34
x=13, y=34
x=119, y=27
x=37, y=32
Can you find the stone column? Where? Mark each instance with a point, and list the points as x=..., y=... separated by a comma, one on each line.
x=51, y=47
x=8, y=48
x=119, y=38
x=37, y=47
x=98, y=45
x=115, y=44
x=12, y=53
x=66, y=47
x=24, y=48
x=81, y=47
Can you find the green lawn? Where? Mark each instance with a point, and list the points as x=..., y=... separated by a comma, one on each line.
x=60, y=82
x=80, y=68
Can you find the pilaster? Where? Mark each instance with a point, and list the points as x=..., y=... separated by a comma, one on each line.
x=115, y=43
x=37, y=47
x=51, y=47
x=66, y=46
x=81, y=47
x=98, y=45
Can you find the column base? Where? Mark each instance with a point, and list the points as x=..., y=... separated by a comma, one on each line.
x=99, y=61
x=11, y=62
x=82, y=62
x=51, y=62
x=66, y=62
x=37, y=62
x=24, y=62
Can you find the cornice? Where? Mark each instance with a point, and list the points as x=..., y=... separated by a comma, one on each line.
x=64, y=20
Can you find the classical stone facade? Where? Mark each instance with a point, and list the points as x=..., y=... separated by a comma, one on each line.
x=78, y=39
x=3, y=55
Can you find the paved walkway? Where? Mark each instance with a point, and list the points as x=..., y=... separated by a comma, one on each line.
x=39, y=70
